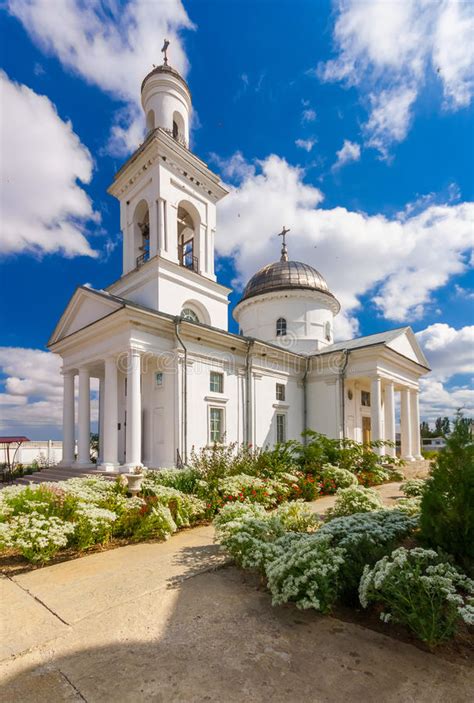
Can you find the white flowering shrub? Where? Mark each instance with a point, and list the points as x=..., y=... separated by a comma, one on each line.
x=365, y=538
x=413, y=487
x=355, y=499
x=297, y=517
x=249, y=539
x=306, y=572
x=158, y=523
x=417, y=588
x=410, y=506
x=92, y=525
x=232, y=514
x=36, y=537
x=185, y=508
x=340, y=478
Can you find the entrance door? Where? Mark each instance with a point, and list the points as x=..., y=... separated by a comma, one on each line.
x=366, y=430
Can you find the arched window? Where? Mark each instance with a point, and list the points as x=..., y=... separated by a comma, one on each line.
x=327, y=331
x=179, y=130
x=175, y=130
x=281, y=327
x=141, y=230
x=188, y=314
x=187, y=248
x=150, y=121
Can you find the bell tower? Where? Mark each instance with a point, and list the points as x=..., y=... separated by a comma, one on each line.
x=168, y=200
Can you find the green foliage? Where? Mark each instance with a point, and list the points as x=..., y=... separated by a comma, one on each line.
x=417, y=588
x=297, y=517
x=332, y=478
x=36, y=537
x=249, y=540
x=447, y=506
x=184, y=480
x=355, y=499
x=157, y=523
x=413, y=487
x=409, y=506
x=307, y=573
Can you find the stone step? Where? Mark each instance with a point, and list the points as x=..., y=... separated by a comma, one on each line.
x=57, y=474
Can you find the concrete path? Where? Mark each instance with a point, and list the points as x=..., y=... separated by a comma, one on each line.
x=167, y=622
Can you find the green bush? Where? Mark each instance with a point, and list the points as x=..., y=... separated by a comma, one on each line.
x=184, y=480
x=333, y=478
x=409, y=506
x=413, y=488
x=92, y=525
x=416, y=588
x=297, y=517
x=34, y=536
x=233, y=513
x=158, y=523
x=355, y=499
x=306, y=573
x=185, y=508
x=447, y=505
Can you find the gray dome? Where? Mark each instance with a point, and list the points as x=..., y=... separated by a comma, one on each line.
x=285, y=275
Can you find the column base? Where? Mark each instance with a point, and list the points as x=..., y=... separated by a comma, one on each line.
x=418, y=457
x=109, y=466
x=408, y=458
x=84, y=465
x=129, y=468
x=67, y=463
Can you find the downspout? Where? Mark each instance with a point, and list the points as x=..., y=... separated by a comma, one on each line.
x=248, y=392
x=342, y=376
x=184, y=414
x=305, y=400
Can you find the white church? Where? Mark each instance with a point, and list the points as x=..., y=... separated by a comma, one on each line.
x=171, y=375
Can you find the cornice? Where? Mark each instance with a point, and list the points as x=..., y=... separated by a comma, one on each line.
x=294, y=294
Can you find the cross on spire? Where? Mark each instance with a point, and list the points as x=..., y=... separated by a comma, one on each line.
x=284, y=249
x=164, y=50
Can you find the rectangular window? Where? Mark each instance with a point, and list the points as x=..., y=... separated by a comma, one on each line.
x=158, y=379
x=216, y=384
x=365, y=399
x=281, y=428
x=280, y=391
x=216, y=425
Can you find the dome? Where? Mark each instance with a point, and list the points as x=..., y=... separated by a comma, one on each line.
x=165, y=69
x=285, y=275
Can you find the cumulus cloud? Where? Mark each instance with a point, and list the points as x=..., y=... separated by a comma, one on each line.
x=436, y=400
x=350, y=151
x=306, y=144
x=398, y=261
x=44, y=208
x=308, y=115
x=389, y=50
x=31, y=396
x=111, y=45
x=449, y=350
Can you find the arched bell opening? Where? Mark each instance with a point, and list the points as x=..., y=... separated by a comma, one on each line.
x=141, y=233
x=188, y=236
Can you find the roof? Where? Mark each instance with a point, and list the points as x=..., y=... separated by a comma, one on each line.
x=10, y=440
x=285, y=275
x=164, y=68
x=368, y=341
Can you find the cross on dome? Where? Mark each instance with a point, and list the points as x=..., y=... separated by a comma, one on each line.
x=284, y=249
x=164, y=50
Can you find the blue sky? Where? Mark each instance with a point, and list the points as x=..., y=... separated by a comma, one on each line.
x=350, y=123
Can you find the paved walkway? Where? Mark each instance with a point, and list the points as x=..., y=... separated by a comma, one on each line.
x=165, y=622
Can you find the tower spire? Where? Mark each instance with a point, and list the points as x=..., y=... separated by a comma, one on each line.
x=284, y=249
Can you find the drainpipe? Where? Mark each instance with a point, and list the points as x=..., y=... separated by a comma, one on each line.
x=184, y=414
x=248, y=392
x=305, y=399
x=342, y=376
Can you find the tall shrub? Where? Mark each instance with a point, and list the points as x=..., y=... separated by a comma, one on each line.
x=447, y=505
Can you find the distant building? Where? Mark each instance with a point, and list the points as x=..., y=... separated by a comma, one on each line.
x=46, y=452
x=433, y=444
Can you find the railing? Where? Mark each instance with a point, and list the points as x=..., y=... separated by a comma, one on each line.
x=179, y=137
x=187, y=259
x=141, y=259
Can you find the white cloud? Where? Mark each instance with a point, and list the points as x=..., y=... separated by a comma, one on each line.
x=450, y=351
x=31, y=397
x=112, y=45
x=390, y=49
x=309, y=115
x=350, y=151
x=44, y=209
x=400, y=261
x=306, y=144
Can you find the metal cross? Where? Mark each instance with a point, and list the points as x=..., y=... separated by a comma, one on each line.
x=284, y=250
x=283, y=234
x=164, y=50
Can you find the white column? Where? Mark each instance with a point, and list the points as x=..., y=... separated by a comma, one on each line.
x=134, y=411
x=376, y=412
x=153, y=216
x=68, y=419
x=405, y=425
x=415, y=424
x=389, y=408
x=83, y=453
x=101, y=420
x=110, y=431
x=161, y=227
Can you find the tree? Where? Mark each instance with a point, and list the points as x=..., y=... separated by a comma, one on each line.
x=447, y=505
x=425, y=429
x=442, y=427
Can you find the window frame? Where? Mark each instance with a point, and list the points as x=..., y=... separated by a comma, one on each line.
x=280, y=392
x=210, y=430
x=281, y=327
x=280, y=417
x=212, y=376
x=365, y=399
x=194, y=317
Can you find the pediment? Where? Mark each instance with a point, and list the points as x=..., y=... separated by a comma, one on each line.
x=406, y=344
x=85, y=307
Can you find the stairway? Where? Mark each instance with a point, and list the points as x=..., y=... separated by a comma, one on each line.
x=58, y=473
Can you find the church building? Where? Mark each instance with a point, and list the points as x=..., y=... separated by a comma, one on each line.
x=171, y=375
